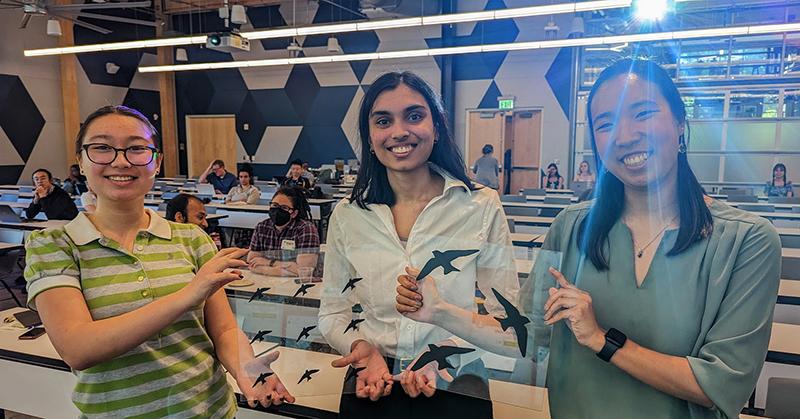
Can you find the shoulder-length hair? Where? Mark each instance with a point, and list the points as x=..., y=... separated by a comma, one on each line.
x=372, y=184
x=695, y=217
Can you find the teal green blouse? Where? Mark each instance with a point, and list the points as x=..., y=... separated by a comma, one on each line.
x=712, y=304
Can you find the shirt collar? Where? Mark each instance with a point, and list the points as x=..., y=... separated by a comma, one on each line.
x=82, y=231
x=449, y=181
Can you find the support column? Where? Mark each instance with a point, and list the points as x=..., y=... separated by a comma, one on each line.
x=166, y=89
x=69, y=89
x=448, y=82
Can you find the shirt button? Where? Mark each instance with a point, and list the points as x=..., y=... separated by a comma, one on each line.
x=140, y=279
x=145, y=293
x=140, y=247
x=409, y=327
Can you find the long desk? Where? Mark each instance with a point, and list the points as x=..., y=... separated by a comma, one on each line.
x=527, y=240
x=789, y=292
x=264, y=208
x=531, y=221
x=784, y=344
x=532, y=204
x=574, y=199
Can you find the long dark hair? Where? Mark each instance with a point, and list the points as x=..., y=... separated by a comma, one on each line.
x=695, y=217
x=556, y=174
x=372, y=184
x=299, y=200
x=785, y=175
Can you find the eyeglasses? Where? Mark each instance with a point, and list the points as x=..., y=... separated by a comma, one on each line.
x=283, y=207
x=137, y=155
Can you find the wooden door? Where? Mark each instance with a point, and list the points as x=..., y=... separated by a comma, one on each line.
x=525, y=144
x=209, y=138
x=485, y=127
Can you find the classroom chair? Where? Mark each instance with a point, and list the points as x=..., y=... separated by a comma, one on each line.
x=549, y=212
x=742, y=198
x=559, y=200
x=534, y=191
x=513, y=198
x=9, y=197
x=782, y=401
x=756, y=208
x=783, y=200
x=511, y=227
x=10, y=267
x=521, y=211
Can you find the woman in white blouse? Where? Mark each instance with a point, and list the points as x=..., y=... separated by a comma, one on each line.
x=245, y=191
x=412, y=197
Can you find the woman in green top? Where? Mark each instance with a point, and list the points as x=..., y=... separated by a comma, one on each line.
x=691, y=281
x=132, y=302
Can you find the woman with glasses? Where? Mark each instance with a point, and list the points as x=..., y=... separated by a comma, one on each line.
x=134, y=303
x=288, y=240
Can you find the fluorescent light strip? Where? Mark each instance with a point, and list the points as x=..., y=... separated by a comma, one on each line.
x=348, y=27
x=516, y=46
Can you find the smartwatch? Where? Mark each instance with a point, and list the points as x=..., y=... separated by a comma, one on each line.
x=614, y=340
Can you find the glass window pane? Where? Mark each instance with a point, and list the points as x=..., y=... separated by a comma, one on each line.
x=754, y=104
x=706, y=168
x=704, y=59
x=704, y=105
x=756, y=56
x=791, y=57
x=750, y=136
x=747, y=168
x=706, y=136
x=791, y=101
x=790, y=136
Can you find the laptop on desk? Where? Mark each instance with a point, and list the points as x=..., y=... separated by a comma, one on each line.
x=8, y=215
x=205, y=189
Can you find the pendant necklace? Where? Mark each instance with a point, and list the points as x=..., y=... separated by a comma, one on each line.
x=640, y=251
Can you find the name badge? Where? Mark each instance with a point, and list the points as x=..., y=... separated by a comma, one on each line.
x=287, y=245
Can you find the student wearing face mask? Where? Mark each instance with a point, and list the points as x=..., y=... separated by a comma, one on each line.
x=288, y=240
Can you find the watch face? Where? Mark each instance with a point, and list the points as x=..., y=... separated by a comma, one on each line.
x=616, y=336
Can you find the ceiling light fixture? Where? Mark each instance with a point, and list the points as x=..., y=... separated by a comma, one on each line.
x=349, y=27
x=514, y=46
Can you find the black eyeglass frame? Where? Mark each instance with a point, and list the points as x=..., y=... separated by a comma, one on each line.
x=124, y=151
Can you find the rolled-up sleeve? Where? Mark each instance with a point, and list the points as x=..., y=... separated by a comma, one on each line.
x=336, y=307
x=731, y=356
x=49, y=264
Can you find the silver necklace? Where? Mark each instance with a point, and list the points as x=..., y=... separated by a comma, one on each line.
x=640, y=251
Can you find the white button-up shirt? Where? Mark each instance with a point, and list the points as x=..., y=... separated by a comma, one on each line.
x=365, y=244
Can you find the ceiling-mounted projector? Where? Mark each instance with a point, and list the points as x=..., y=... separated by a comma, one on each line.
x=227, y=42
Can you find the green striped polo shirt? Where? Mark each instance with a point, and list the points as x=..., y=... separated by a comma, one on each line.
x=174, y=373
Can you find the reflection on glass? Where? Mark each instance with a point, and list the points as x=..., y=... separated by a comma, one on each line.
x=754, y=104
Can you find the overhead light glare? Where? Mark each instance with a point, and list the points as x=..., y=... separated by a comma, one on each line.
x=609, y=41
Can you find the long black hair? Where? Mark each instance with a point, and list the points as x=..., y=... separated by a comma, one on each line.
x=372, y=184
x=556, y=174
x=299, y=200
x=695, y=217
x=785, y=175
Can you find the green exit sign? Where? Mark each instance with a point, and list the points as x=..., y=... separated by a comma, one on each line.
x=506, y=103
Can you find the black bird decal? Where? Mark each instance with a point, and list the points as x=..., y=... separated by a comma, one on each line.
x=351, y=284
x=439, y=354
x=353, y=325
x=262, y=379
x=353, y=372
x=258, y=294
x=515, y=320
x=307, y=375
x=444, y=260
x=260, y=336
x=303, y=289
x=304, y=333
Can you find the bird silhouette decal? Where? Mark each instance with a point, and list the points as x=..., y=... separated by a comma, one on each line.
x=258, y=294
x=260, y=336
x=439, y=354
x=353, y=373
x=304, y=333
x=515, y=320
x=307, y=375
x=353, y=325
x=351, y=284
x=444, y=260
x=303, y=289
x=262, y=379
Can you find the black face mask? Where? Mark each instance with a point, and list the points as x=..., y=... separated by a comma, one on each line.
x=279, y=216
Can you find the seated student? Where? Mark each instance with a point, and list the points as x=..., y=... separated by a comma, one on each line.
x=780, y=185
x=288, y=239
x=134, y=303
x=217, y=176
x=306, y=174
x=584, y=173
x=47, y=197
x=189, y=209
x=75, y=183
x=245, y=192
x=552, y=179
x=295, y=177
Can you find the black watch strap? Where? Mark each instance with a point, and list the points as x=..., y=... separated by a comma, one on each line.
x=614, y=340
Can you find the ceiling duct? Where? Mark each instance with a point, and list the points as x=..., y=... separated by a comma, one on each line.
x=384, y=9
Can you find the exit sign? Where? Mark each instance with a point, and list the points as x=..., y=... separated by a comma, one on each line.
x=505, y=103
